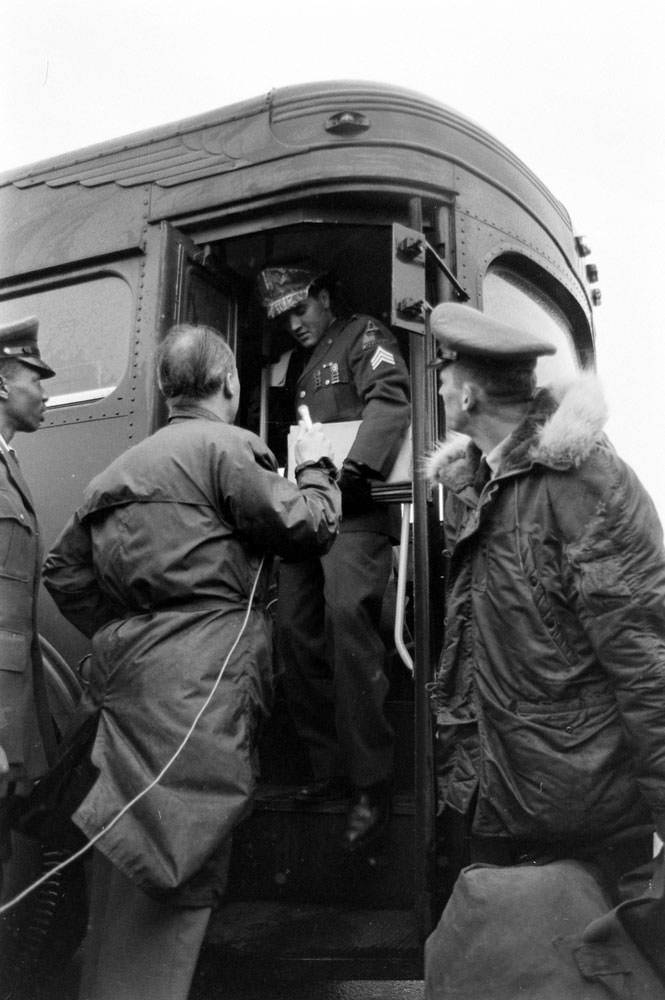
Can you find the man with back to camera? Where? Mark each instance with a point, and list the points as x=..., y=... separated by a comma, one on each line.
x=165, y=565
x=27, y=738
x=550, y=692
x=329, y=608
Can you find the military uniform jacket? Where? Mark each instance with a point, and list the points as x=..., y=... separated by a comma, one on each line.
x=356, y=372
x=26, y=731
x=158, y=566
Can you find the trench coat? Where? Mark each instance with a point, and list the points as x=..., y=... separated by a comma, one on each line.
x=158, y=566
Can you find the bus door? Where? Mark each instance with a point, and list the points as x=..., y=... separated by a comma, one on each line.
x=192, y=289
x=286, y=856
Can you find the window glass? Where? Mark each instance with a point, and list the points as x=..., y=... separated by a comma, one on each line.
x=513, y=299
x=84, y=331
x=209, y=304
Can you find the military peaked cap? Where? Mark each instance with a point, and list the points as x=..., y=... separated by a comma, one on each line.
x=464, y=332
x=18, y=341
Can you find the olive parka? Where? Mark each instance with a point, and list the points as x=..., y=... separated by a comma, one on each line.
x=550, y=691
x=157, y=566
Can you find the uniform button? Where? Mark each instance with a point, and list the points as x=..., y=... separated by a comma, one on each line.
x=303, y=393
x=327, y=382
x=22, y=516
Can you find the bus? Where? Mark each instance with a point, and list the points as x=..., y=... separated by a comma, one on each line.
x=410, y=204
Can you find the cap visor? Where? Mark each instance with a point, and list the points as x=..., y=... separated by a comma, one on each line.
x=38, y=365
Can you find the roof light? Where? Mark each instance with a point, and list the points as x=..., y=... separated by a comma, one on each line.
x=582, y=247
x=347, y=123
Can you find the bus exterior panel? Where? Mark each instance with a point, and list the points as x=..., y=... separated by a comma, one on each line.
x=109, y=246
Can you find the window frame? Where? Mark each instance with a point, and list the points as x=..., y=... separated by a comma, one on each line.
x=89, y=404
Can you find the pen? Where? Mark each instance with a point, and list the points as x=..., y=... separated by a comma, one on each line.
x=303, y=413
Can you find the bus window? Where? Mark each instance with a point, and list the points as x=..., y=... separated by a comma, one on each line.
x=84, y=330
x=512, y=298
x=208, y=303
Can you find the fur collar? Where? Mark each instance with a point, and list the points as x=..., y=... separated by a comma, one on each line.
x=559, y=430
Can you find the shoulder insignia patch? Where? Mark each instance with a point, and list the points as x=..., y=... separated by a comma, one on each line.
x=381, y=355
x=369, y=335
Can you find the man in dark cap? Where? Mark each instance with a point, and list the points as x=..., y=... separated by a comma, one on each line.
x=329, y=608
x=26, y=731
x=550, y=691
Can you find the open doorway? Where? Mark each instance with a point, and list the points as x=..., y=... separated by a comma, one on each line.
x=359, y=256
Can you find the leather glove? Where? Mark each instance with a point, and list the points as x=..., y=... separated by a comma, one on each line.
x=356, y=491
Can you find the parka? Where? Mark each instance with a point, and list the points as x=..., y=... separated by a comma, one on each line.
x=549, y=695
x=158, y=566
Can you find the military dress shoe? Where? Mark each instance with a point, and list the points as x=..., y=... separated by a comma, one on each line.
x=368, y=818
x=324, y=790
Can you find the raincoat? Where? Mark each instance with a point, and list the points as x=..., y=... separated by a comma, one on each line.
x=159, y=567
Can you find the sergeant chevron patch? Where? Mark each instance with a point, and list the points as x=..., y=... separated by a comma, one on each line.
x=381, y=354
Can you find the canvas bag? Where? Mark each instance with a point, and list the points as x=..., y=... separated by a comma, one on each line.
x=517, y=934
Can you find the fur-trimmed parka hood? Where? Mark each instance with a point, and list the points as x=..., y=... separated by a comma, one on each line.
x=561, y=427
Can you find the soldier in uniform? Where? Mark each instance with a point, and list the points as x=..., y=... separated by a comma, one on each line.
x=329, y=607
x=26, y=732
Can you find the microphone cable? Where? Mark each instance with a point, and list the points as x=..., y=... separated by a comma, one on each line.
x=155, y=781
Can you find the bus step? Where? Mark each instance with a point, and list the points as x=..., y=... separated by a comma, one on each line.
x=285, y=851
x=290, y=940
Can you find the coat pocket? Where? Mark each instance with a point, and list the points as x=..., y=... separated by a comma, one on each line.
x=558, y=770
x=16, y=558
x=13, y=660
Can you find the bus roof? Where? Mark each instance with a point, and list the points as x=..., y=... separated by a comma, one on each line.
x=213, y=142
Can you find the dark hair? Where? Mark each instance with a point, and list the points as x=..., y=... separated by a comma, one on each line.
x=193, y=361
x=326, y=281
x=514, y=383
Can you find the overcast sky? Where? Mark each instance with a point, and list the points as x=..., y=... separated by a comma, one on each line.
x=574, y=88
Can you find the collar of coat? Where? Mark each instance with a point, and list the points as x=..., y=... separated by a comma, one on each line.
x=192, y=411
x=559, y=430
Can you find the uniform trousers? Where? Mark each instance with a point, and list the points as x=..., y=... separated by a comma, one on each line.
x=137, y=948
x=329, y=612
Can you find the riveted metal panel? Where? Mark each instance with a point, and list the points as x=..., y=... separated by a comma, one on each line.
x=48, y=227
x=487, y=225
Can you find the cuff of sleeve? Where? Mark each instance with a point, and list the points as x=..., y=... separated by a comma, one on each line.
x=324, y=464
x=360, y=471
